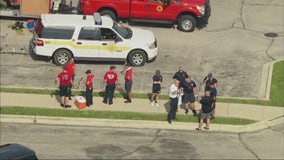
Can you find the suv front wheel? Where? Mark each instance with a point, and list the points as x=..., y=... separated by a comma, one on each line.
x=61, y=57
x=137, y=58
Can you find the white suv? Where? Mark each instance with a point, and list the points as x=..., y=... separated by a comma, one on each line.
x=91, y=38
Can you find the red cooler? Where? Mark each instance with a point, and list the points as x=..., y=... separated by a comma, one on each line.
x=80, y=102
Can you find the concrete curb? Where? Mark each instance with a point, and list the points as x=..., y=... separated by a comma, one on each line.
x=142, y=124
x=266, y=78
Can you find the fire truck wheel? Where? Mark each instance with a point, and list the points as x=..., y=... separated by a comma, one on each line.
x=137, y=58
x=61, y=57
x=186, y=23
x=109, y=13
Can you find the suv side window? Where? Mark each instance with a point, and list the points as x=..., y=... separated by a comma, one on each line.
x=56, y=32
x=107, y=34
x=89, y=33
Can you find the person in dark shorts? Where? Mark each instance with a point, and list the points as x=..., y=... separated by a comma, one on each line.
x=110, y=80
x=156, y=87
x=189, y=88
x=180, y=75
x=128, y=82
x=206, y=108
x=65, y=81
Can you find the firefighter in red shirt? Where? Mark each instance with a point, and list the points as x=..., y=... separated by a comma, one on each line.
x=70, y=67
x=65, y=81
x=110, y=80
x=89, y=88
x=128, y=82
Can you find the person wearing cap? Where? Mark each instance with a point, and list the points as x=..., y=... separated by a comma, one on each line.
x=211, y=85
x=65, y=81
x=128, y=82
x=110, y=80
x=70, y=67
x=89, y=88
x=156, y=87
x=210, y=79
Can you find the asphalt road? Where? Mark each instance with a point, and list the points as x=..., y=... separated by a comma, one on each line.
x=75, y=142
x=233, y=46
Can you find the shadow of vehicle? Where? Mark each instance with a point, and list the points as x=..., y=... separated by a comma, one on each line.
x=37, y=57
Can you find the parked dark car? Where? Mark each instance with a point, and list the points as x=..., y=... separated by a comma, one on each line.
x=16, y=151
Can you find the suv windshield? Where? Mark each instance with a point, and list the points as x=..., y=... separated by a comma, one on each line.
x=125, y=32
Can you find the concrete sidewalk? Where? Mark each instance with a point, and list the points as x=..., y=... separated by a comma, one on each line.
x=265, y=115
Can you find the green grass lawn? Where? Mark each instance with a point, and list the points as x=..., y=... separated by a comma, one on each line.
x=114, y=115
x=277, y=85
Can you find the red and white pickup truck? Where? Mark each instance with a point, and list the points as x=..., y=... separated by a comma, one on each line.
x=184, y=13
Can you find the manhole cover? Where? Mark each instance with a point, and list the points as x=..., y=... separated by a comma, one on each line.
x=271, y=34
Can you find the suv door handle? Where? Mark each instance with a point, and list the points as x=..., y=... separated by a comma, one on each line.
x=104, y=44
x=79, y=42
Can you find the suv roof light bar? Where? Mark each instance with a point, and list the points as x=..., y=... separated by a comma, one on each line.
x=97, y=19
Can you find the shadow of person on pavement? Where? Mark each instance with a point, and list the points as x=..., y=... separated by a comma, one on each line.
x=167, y=106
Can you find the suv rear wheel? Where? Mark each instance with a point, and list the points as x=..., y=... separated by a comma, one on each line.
x=109, y=13
x=137, y=58
x=61, y=57
x=186, y=23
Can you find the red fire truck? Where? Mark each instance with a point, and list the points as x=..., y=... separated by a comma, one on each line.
x=184, y=13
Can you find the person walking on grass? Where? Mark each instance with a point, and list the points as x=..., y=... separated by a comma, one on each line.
x=156, y=87
x=206, y=108
x=65, y=81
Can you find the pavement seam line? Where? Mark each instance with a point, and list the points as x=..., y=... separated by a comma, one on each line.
x=246, y=147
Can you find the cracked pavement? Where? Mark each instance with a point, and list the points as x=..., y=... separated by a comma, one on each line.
x=233, y=46
x=83, y=142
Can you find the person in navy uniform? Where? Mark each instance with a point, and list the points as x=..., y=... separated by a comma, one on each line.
x=211, y=85
x=189, y=88
x=209, y=79
x=180, y=75
x=156, y=87
x=206, y=108
x=213, y=94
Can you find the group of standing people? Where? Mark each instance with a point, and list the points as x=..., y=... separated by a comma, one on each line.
x=184, y=89
x=66, y=83
x=181, y=91
x=110, y=80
